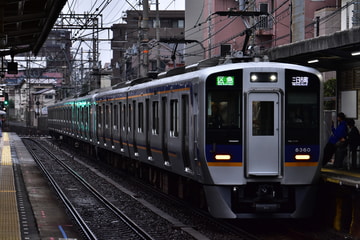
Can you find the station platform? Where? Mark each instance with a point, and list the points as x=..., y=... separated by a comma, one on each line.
x=340, y=199
x=29, y=209
x=344, y=177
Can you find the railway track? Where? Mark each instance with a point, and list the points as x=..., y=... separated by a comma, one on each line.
x=96, y=216
x=161, y=215
x=183, y=221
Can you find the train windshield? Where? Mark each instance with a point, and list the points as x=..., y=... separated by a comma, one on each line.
x=302, y=108
x=223, y=109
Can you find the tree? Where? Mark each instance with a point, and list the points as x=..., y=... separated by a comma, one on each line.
x=330, y=94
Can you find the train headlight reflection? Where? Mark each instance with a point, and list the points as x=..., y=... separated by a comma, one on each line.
x=222, y=157
x=302, y=157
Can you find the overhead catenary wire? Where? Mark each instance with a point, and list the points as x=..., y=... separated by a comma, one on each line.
x=311, y=24
x=215, y=45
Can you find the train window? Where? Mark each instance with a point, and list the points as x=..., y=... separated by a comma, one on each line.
x=115, y=117
x=263, y=118
x=111, y=116
x=302, y=110
x=107, y=116
x=119, y=115
x=98, y=114
x=302, y=115
x=81, y=115
x=140, y=117
x=76, y=115
x=223, y=109
x=81, y=119
x=103, y=114
x=129, y=117
x=134, y=114
x=155, y=117
x=123, y=117
x=86, y=119
x=174, y=118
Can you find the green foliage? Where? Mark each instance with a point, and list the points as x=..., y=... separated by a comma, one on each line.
x=330, y=94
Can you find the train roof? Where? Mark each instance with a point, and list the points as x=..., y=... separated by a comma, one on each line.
x=198, y=70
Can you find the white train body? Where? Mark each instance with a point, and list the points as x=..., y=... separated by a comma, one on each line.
x=250, y=133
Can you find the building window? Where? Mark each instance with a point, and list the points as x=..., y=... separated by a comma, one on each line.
x=166, y=23
x=181, y=23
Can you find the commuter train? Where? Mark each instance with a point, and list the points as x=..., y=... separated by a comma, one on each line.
x=250, y=133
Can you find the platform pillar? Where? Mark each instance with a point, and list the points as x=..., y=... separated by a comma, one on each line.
x=355, y=222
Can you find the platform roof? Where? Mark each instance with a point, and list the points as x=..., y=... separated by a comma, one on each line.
x=25, y=24
x=325, y=53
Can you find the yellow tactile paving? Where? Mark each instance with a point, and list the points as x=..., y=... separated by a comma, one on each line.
x=9, y=218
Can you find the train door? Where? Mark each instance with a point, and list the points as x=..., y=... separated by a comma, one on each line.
x=164, y=132
x=263, y=155
x=185, y=116
x=148, y=129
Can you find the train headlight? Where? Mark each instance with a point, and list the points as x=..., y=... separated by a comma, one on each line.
x=222, y=157
x=273, y=78
x=302, y=157
x=254, y=77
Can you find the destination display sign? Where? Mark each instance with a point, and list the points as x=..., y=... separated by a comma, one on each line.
x=225, y=80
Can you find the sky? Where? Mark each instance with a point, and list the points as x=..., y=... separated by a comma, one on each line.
x=112, y=12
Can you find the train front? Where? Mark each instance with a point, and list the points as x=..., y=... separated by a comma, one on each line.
x=263, y=140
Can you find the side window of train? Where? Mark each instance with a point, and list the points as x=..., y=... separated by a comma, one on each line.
x=134, y=115
x=75, y=115
x=103, y=115
x=120, y=113
x=140, y=117
x=86, y=115
x=107, y=116
x=129, y=118
x=115, y=116
x=70, y=116
x=123, y=117
x=78, y=114
x=155, y=118
x=98, y=114
x=174, y=118
x=82, y=115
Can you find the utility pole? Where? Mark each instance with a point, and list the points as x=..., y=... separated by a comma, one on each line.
x=144, y=41
x=209, y=29
x=81, y=22
x=158, y=65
